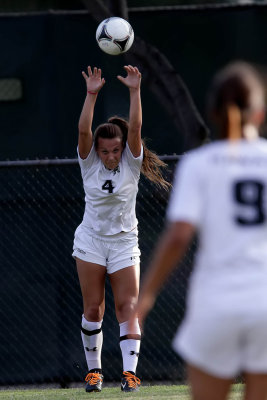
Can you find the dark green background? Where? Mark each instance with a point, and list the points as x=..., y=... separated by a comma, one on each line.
x=49, y=51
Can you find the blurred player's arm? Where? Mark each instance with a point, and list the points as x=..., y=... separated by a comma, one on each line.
x=133, y=82
x=169, y=251
x=94, y=82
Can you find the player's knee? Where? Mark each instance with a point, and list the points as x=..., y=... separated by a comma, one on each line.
x=93, y=312
x=124, y=309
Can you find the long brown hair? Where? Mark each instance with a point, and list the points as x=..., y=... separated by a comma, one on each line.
x=151, y=166
x=236, y=93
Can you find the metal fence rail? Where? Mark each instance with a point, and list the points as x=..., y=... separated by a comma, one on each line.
x=41, y=203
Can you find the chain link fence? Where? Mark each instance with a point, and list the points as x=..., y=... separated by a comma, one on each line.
x=42, y=202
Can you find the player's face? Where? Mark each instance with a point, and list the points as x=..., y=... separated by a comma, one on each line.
x=109, y=151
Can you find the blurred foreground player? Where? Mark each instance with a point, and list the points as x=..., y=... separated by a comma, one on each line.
x=220, y=191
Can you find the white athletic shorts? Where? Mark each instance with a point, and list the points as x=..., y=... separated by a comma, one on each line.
x=224, y=344
x=114, y=252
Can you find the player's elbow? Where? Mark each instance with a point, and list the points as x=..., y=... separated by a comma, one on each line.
x=180, y=235
x=135, y=126
x=83, y=131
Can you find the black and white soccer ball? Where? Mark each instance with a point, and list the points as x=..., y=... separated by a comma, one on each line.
x=114, y=35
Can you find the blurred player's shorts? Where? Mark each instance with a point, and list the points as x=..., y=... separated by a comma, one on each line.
x=224, y=344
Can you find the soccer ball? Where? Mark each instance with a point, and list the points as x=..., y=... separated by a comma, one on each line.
x=114, y=35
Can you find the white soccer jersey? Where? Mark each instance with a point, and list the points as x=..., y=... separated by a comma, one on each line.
x=110, y=195
x=221, y=188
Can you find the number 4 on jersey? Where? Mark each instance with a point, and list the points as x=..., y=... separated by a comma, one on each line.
x=108, y=186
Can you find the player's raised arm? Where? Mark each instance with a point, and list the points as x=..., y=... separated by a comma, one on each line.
x=133, y=82
x=94, y=82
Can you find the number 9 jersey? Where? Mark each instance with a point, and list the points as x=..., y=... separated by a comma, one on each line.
x=110, y=195
x=221, y=188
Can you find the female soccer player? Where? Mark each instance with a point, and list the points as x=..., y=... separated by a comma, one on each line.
x=107, y=239
x=220, y=191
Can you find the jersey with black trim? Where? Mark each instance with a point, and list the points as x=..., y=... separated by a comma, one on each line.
x=221, y=188
x=110, y=195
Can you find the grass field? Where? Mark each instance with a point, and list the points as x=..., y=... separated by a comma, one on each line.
x=146, y=392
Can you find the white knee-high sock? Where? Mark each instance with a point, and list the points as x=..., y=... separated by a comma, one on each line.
x=130, y=346
x=92, y=338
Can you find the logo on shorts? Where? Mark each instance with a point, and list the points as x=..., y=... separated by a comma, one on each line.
x=133, y=258
x=81, y=251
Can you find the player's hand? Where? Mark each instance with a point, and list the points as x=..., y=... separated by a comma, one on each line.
x=94, y=81
x=133, y=78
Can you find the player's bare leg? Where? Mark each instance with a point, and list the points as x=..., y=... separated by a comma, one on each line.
x=125, y=286
x=92, y=282
x=207, y=387
x=256, y=386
